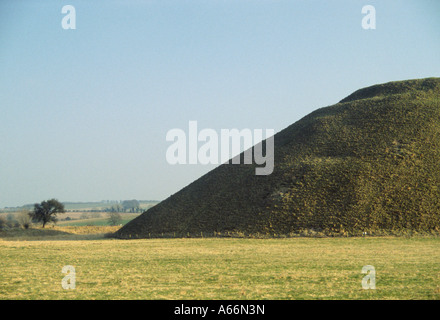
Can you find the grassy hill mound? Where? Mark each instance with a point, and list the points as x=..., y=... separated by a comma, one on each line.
x=370, y=163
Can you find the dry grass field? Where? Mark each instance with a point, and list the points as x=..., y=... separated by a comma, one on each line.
x=31, y=263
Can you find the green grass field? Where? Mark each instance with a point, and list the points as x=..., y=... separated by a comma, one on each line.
x=31, y=262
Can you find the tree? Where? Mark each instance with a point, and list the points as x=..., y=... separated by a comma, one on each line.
x=116, y=208
x=2, y=223
x=95, y=215
x=11, y=221
x=24, y=218
x=114, y=218
x=46, y=211
x=10, y=217
x=84, y=215
x=131, y=205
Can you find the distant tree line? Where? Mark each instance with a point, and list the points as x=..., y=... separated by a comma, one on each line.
x=21, y=219
x=117, y=206
x=132, y=206
x=47, y=211
x=43, y=212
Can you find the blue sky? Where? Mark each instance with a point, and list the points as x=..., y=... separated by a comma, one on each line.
x=84, y=113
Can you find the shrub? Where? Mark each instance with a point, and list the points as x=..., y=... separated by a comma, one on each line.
x=24, y=219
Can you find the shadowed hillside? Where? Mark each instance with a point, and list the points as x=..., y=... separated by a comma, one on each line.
x=370, y=163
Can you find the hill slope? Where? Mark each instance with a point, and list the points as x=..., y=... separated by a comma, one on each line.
x=368, y=163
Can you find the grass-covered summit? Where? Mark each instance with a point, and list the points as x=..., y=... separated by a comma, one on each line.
x=370, y=163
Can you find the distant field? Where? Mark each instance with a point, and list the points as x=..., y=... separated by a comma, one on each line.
x=79, y=220
x=83, y=206
x=214, y=268
x=126, y=217
x=74, y=209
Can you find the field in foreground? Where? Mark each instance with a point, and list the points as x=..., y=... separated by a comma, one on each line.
x=215, y=268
